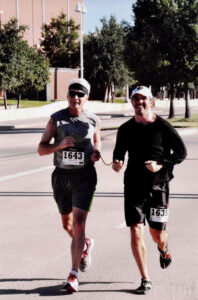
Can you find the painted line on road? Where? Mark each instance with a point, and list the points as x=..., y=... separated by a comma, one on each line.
x=97, y=194
x=20, y=174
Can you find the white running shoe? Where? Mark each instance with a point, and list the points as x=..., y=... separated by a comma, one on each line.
x=71, y=285
x=86, y=256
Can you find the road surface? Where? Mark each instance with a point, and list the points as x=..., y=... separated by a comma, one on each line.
x=35, y=253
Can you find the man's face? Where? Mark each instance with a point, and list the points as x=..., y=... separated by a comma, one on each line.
x=141, y=104
x=76, y=99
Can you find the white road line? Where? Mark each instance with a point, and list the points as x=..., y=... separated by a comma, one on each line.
x=20, y=174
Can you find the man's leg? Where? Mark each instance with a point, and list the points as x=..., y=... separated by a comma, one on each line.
x=139, y=249
x=161, y=238
x=78, y=241
x=67, y=221
x=140, y=255
x=77, y=246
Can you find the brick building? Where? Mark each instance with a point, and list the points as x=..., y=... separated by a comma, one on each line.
x=34, y=13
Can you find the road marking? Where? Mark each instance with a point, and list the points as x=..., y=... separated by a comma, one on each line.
x=20, y=174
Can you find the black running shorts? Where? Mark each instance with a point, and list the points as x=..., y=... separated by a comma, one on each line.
x=74, y=188
x=147, y=203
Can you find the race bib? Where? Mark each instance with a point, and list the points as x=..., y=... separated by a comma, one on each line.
x=73, y=158
x=159, y=215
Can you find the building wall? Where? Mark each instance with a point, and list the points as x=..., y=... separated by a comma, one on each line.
x=32, y=14
x=59, y=82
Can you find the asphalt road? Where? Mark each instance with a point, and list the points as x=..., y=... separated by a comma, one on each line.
x=35, y=254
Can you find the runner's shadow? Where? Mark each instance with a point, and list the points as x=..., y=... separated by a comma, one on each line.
x=57, y=290
x=105, y=290
x=42, y=291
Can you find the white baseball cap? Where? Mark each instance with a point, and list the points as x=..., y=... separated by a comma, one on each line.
x=142, y=90
x=80, y=84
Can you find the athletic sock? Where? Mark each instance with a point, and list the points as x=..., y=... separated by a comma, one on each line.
x=74, y=272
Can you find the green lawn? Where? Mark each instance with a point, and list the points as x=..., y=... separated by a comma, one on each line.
x=182, y=122
x=25, y=103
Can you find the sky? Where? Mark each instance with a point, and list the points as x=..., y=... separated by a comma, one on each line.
x=97, y=9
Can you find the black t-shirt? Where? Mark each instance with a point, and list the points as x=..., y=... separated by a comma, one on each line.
x=157, y=141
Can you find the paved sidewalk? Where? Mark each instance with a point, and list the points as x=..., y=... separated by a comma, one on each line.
x=94, y=106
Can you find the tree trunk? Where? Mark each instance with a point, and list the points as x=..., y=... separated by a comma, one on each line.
x=19, y=101
x=172, y=110
x=187, y=107
x=112, y=93
x=5, y=99
x=107, y=94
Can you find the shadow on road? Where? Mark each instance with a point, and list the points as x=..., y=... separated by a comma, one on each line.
x=56, y=290
x=24, y=130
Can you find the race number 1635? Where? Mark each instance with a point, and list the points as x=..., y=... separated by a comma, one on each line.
x=159, y=215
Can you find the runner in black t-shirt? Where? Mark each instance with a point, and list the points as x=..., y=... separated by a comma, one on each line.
x=153, y=147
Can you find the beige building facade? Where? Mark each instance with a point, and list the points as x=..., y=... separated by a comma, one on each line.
x=35, y=13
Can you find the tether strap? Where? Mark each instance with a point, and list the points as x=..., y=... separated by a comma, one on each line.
x=105, y=162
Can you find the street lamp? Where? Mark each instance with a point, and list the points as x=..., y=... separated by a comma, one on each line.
x=1, y=13
x=17, y=13
x=82, y=10
x=43, y=12
x=68, y=17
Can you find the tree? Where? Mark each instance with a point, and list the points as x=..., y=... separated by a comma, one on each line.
x=60, y=42
x=10, y=35
x=22, y=67
x=104, y=56
x=33, y=70
x=159, y=47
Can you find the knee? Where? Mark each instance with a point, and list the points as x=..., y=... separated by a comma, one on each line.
x=158, y=235
x=137, y=233
x=68, y=227
x=67, y=222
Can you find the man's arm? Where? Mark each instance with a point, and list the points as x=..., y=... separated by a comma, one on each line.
x=119, y=151
x=97, y=145
x=178, y=150
x=177, y=146
x=45, y=147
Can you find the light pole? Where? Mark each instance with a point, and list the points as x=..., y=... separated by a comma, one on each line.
x=68, y=16
x=82, y=10
x=17, y=13
x=1, y=13
x=43, y=12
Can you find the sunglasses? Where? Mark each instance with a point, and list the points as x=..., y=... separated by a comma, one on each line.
x=72, y=94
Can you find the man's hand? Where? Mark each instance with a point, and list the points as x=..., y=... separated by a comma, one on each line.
x=153, y=165
x=95, y=155
x=117, y=165
x=68, y=141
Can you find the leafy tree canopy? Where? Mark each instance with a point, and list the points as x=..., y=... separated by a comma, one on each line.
x=60, y=42
x=104, y=55
x=21, y=67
